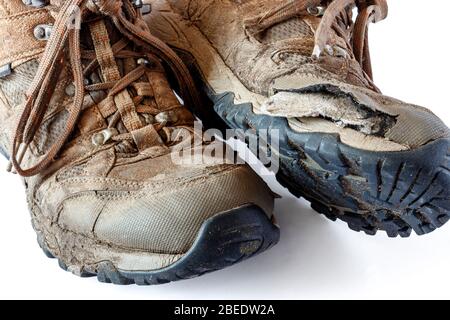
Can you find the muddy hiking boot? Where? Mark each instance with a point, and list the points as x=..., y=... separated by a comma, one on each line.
x=303, y=68
x=94, y=125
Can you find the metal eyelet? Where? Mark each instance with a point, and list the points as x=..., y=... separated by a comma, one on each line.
x=166, y=117
x=142, y=61
x=43, y=32
x=70, y=90
x=101, y=138
x=329, y=49
x=316, y=11
x=145, y=62
x=149, y=119
x=5, y=70
x=336, y=51
x=145, y=8
x=35, y=3
x=340, y=52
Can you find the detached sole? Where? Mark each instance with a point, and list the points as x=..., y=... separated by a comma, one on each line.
x=223, y=241
x=396, y=192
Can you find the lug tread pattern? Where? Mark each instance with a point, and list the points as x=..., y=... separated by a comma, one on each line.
x=223, y=241
x=401, y=191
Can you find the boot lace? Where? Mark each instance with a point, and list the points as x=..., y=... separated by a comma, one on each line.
x=336, y=15
x=64, y=48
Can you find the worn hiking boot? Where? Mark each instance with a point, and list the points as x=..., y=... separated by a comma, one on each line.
x=94, y=126
x=303, y=67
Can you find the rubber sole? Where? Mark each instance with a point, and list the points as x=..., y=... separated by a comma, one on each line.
x=392, y=191
x=223, y=241
x=396, y=192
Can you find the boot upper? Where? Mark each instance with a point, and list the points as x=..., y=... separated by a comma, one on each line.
x=90, y=119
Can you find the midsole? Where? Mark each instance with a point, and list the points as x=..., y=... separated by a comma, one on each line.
x=82, y=254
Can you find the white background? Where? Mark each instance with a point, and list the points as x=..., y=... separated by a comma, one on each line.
x=316, y=258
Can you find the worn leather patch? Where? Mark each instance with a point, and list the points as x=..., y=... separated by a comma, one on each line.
x=91, y=120
x=146, y=137
x=164, y=96
x=17, y=33
x=10, y=7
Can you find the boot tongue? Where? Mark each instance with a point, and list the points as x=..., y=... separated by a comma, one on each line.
x=288, y=24
x=292, y=34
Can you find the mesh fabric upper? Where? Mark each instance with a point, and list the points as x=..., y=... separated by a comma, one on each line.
x=15, y=85
x=292, y=28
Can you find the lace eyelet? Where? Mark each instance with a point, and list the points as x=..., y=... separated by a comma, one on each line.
x=316, y=11
x=145, y=62
x=166, y=117
x=35, y=3
x=149, y=119
x=340, y=52
x=329, y=49
x=145, y=8
x=336, y=51
x=43, y=32
x=101, y=138
x=70, y=90
x=142, y=61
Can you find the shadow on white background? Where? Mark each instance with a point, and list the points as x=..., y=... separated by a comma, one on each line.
x=316, y=258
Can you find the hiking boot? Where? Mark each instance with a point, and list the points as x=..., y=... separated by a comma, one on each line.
x=95, y=127
x=303, y=67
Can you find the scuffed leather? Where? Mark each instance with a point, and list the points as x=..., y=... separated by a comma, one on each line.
x=19, y=44
x=129, y=195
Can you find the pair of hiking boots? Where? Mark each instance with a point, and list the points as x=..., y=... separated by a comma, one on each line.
x=122, y=185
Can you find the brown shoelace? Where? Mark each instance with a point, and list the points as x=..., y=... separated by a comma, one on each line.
x=64, y=45
x=333, y=11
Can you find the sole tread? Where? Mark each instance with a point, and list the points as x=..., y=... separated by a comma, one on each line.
x=223, y=241
x=371, y=191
